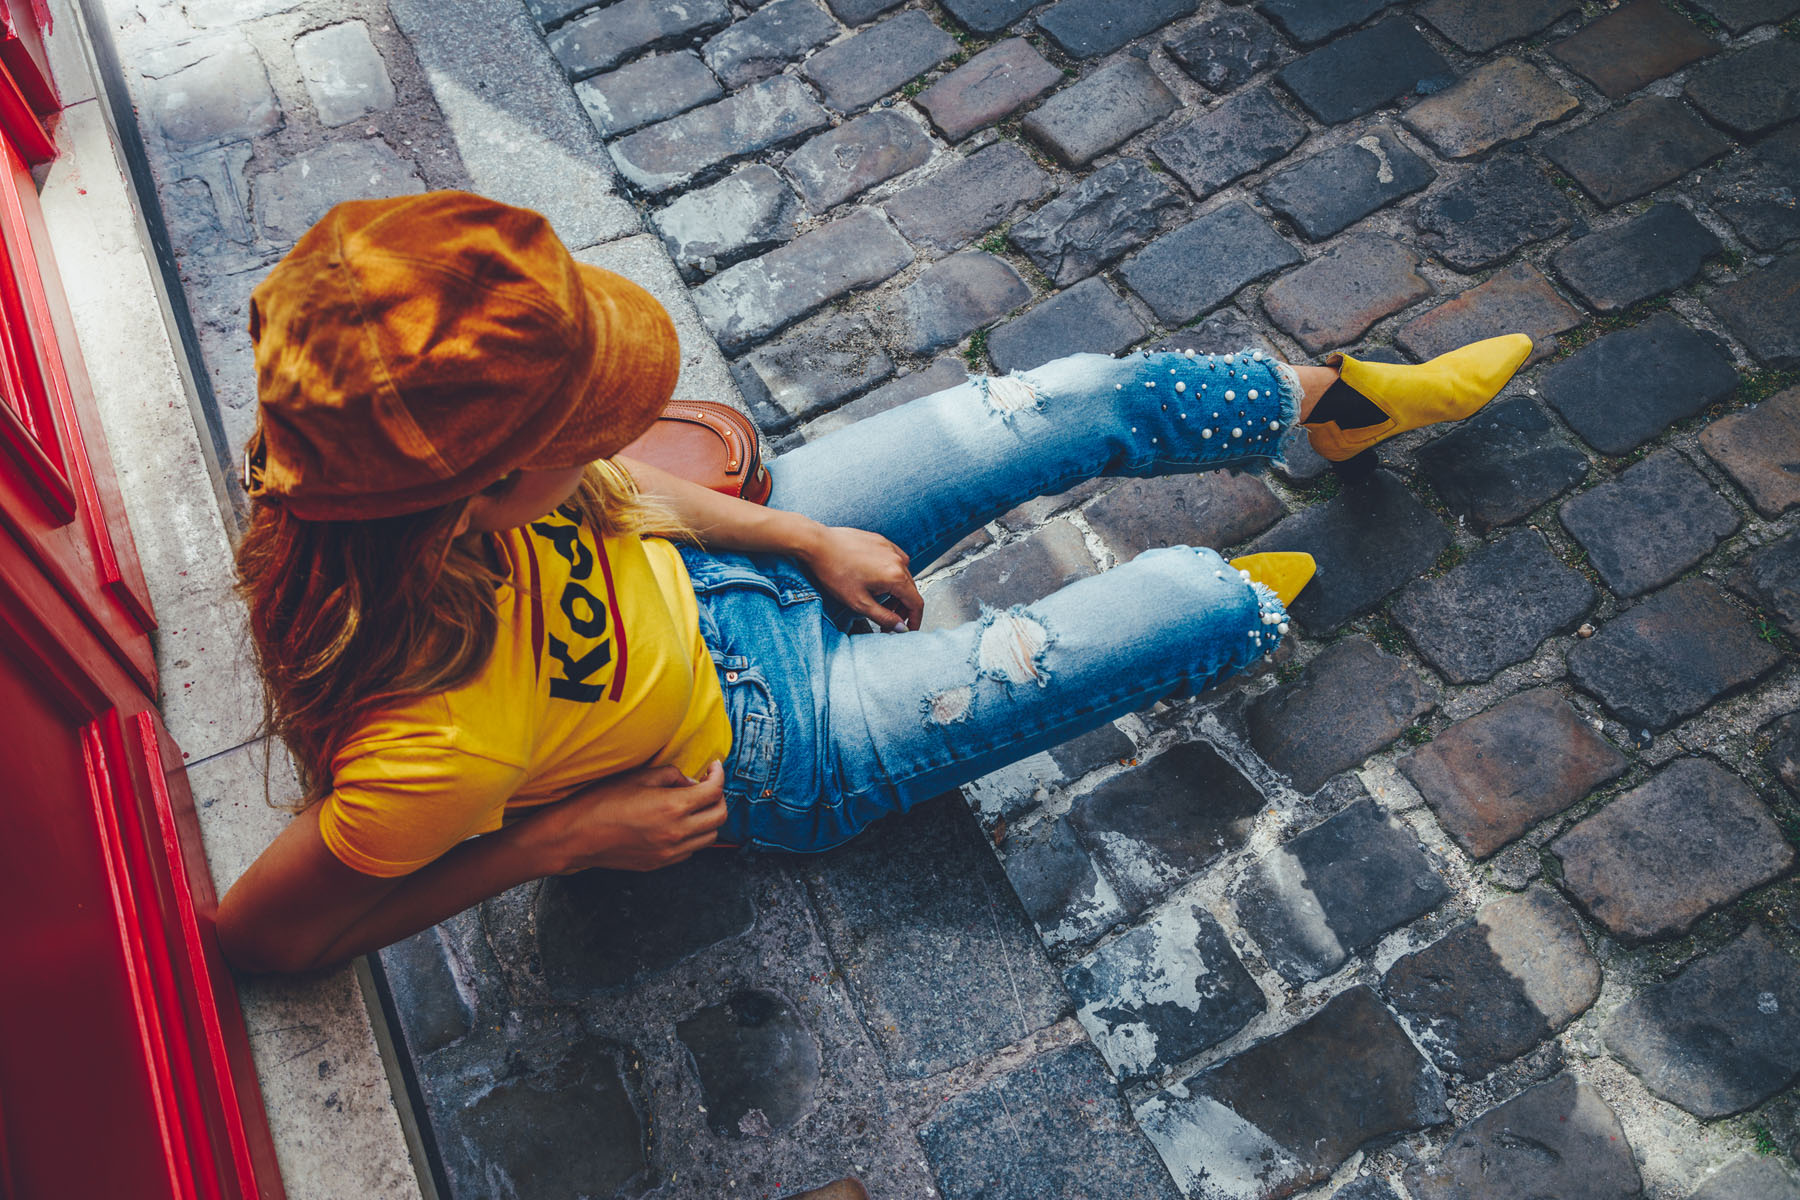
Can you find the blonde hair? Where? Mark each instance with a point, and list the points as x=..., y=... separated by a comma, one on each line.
x=348, y=617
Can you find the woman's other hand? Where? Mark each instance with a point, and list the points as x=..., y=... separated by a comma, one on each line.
x=634, y=821
x=859, y=568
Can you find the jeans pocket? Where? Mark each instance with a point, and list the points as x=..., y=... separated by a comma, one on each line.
x=755, y=729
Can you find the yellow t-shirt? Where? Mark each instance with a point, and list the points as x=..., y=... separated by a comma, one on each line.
x=599, y=667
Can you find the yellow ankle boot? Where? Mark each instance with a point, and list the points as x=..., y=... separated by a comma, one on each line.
x=1283, y=572
x=1448, y=388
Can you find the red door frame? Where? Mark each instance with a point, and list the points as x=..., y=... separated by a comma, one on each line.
x=118, y=925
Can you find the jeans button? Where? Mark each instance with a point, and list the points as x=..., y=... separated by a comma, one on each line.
x=731, y=677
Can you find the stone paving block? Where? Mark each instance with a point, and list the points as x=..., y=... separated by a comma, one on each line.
x=1632, y=151
x=750, y=301
x=1163, y=992
x=647, y=91
x=608, y=36
x=1214, y=508
x=1752, y=90
x=945, y=966
x=1755, y=190
x=1036, y=511
x=1237, y=247
x=1492, y=990
x=1091, y=28
x=1284, y=1113
x=945, y=372
x=1665, y=854
x=1333, y=300
x=1783, y=757
x=1244, y=133
x=293, y=197
x=1013, y=789
x=1369, y=541
x=1504, y=204
x=1334, y=890
x=855, y=156
x=1485, y=25
x=675, y=152
x=1630, y=46
x=1662, y=493
x=1360, y=72
x=1090, y=117
x=572, y=1128
x=1349, y=702
x=757, y=1062
x=1310, y=22
x=1367, y=1187
x=744, y=214
x=855, y=12
x=1763, y=310
x=881, y=58
x=1749, y=1179
x=1514, y=299
x=343, y=72
x=549, y=12
x=1648, y=255
x=971, y=196
x=1623, y=389
x=1087, y=318
x=1054, y=1126
x=1770, y=579
x=999, y=80
x=1721, y=1036
x=1226, y=51
x=1060, y=887
x=1159, y=823
x=433, y=1010
x=598, y=931
x=1500, y=465
x=1111, y=212
x=220, y=93
x=767, y=40
x=1020, y=573
x=1492, y=776
x=988, y=16
x=1329, y=192
x=1559, y=1138
x=1760, y=449
x=1227, y=331
x=811, y=371
x=1671, y=656
x=1739, y=15
x=1495, y=609
x=953, y=298
x=1500, y=101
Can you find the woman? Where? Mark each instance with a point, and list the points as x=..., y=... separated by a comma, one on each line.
x=487, y=672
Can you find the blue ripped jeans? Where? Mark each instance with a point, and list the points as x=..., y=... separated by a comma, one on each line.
x=832, y=731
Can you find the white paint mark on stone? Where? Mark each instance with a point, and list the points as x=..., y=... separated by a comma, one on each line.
x=1767, y=1004
x=999, y=790
x=1305, y=915
x=1384, y=170
x=1213, y=1152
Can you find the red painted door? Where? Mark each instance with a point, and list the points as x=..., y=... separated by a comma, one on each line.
x=124, y=1068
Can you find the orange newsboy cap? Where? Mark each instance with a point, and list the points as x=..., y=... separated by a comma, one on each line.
x=412, y=351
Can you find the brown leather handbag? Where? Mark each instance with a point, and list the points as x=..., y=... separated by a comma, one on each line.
x=711, y=444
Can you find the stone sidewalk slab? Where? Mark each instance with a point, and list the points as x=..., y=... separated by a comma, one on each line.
x=1740, y=15
x=1238, y=246
x=1631, y=151
x=1061, y=888
x=1750, y=91
x=971, y=196
x=1754, y=190
x=1088, y=318
x=816, y=369
x=1760, y=449
x=1498, y=102
x=1050, y=557
x=1648, y=255
x=1212, y=508
x=1633, y=44
x=292, y=198
x=1770, y=579
x=1090, y=117
x=1329, y=192
x=1559, y=1138
x=1091, y=28
x=988, y=16
x=1360, y=72
x=1226, y=51
x=750, y=211
x=344, y=73
x=1514, y=299
x=953, y=298
x=1478, y=28
x=680, y=151
x=609, y=36
x=862, y=69
x=1670, y=656
x=1310, y=22
x=1763, y=310
x=647, y=91
x=1092, y=225
x=1625, y=388
x=1351, y=701
x=1244, y=133
x=1492, y=990
x=1720, y=1037
x=1478, y=220
x=1490, y=777
x=1500, y=465
x=1284, y=1113
x=1662, y=493
x=763, y=43
x=1333, y=300
x=1763, y=1179
x=993, y=84
x=853, y=157
x=1663, y=855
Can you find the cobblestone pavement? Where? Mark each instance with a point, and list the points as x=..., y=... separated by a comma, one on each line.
x=1483, y=888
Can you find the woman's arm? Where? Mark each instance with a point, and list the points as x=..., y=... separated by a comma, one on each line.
x=855, y=566
x=298, y=908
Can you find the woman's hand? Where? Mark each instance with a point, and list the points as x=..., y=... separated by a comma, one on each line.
x=634, y=821
x=857, y=568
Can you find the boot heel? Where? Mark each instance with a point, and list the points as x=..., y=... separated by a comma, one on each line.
x=1358, y=469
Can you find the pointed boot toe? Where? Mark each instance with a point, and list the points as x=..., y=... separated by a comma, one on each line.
x=1449, y=387
x=1283, y=572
